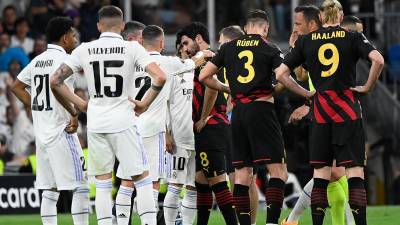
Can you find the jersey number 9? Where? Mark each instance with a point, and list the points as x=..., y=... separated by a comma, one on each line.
x=333, y=61
x=248, y=66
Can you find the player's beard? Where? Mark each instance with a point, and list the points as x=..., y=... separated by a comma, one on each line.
x=192, y=51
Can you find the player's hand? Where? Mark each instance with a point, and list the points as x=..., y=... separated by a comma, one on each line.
x=361, y=89
x=169, y=143
x=140, y=107
x=298, y=114
x=293, y=38
x=199, y=125
x=208, y=54
x=72, y=126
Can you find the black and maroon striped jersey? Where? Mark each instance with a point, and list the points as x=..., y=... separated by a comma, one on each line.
x=218, y=112
x=331, y=55
x=249, y=61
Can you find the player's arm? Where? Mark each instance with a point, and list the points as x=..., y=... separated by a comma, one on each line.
x=210, y=96
x=207, y=76
x=19, y=90
x=158, y=80
x=63, y=93
x=374, y=72
x=283, y=76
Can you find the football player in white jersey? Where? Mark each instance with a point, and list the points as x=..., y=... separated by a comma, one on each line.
x=60, y=161
x=181, y=165
x=108, y=64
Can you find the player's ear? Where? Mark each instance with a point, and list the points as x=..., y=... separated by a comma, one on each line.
x=199, y=39
x=99, y=27
x=122, y=26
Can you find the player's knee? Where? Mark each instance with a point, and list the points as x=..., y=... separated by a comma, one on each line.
x=323, y=172
x=278, y=171
x=357, y=171
x=190, y=188
x=244, y=176
x=156, y=185
x=104, y=176
x=176, y=185
x=337, y=173
x=127, y=183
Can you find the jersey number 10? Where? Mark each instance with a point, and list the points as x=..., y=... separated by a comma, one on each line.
x=97, y=80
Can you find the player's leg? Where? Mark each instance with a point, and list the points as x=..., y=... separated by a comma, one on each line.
x=321, y=157
x=204, y=196
x=302, y=204
x=45, y=181
x=67, y=159
x=123, y=201
x=155, y=147
x=264, y=130
x=336, y=195
x=253, y=198
x=131, y=154
x=352, y=156
x=101, y=162
x=243, y=178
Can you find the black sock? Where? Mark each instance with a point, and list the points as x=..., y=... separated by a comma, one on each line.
x=274, y=199
x=358, y=200
x=319, y=200
x=204, y=203
x=241, y=200
x=225, y=202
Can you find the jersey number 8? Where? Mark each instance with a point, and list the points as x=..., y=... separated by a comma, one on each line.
x=333, y=61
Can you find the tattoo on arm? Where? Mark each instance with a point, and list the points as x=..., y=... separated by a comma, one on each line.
x=62, y=73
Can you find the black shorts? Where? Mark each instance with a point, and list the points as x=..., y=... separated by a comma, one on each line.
x=210, y=146
x=344, y=142
x=256, y=134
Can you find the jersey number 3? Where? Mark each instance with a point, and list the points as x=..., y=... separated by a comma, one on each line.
x=248, y=66
x=97, y=80
x=333, y=61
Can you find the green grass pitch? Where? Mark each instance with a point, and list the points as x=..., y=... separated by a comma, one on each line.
x=377, y=215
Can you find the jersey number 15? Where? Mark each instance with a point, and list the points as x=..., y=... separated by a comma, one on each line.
x=97, y=79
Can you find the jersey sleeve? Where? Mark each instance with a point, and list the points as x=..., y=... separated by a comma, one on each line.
x=362, y=46
x=142, y=57
x=218, y=59
x=73, y=61
x=277, y=58
x=295, y=57
x=25, y=75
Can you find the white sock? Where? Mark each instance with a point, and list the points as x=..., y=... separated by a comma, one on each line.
x=103, y=202
x=48, y=209
x=171, y=204
x=155, y=196
x=189, y=208
x=146, y=206
x=80, y=206
x=303, y=203
x=123, y=203
x=349, y=215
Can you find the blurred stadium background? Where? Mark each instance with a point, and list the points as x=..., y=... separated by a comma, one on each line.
x=22, y=27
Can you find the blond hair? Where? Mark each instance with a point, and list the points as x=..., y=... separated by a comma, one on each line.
x=330, y=9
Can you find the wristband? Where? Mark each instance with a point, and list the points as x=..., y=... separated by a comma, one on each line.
x=156, y=88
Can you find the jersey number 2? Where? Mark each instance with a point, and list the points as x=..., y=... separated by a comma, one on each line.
x=248, y=66
x=41, y=82
x=97, y=80
x=333, y=61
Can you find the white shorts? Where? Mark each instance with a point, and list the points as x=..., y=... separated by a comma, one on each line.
x=181, y=167
x=126, y=145
x=60, y=164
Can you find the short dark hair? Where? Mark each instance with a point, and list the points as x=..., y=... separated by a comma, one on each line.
x=12, y=7
x=20, y=21
x=132, y=27
x=257, y=16
x=194, y=29
x=110, y=11
x=350, y=20
x=310, y=12
x=151, y=33
x=232, y=32
x=57, y=27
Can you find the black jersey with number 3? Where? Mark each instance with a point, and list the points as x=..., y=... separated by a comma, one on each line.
x=331, y=54
x=249, y=61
